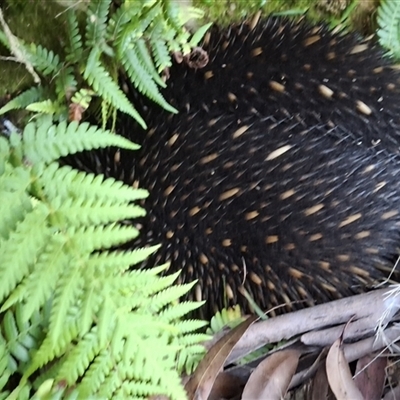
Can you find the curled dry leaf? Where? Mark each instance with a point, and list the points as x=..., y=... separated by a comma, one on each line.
x=200, y=384
x=271, y=378
x=339, y=375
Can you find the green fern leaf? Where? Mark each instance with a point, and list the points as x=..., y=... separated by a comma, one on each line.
x=94, y=238
x=48, y=143
x=15, y=204
x=160, y=53
x=102, y=366
x=164, y=298
x=388, y=21
x=92, y=300
x=96, y=26
x=151, y=17
x=199, y=34
x=121, y=261
x=142, y=52
x=80, y=357
x=47, y=107
x=136, y=26
x=39, y=286
x=12, y=335
x=74, y=47
x=159, y=284
x=65, y=83
x=93, y=212
x=30, y=96
x=69, y=288
x=50, y=350
x=172, y=14
x=99, y=79
x=44, y=61
x=5, y=371
x=142, y=80
x=21, y=249
x=72, y=184
x=177, y=311
x=123, y=15
x=191, y=325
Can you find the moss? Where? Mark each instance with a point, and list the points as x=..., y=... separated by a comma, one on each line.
x=360, y=19
x=37, y=21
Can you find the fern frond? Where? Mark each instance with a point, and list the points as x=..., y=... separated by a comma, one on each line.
x=160, y=53
x=101, y=237
x=50, y=350
x=144, y=55
x=199, y=34
x=159, y=284
x=388, y=21
x=22, y=338
x=45, y=61
x=140, y=77
x=165, y=297
x=136, y=27
x=21, y=249
x=30, y=96
x=74, y=48
x=122, y=260
x=49, y=107
x=192, y=325
x=39, y=286
x=96, y=26
x=123, y=15
x=177, y=311
x=75, y=184
x=73, y=308
x=95, y=376
x=172, y=14
x=15, y=204
x=80, y=357
x=5, y=371
x=93, y=212
x=43, y=143
x=69, y=288
x=65, y=83
x=99, y=79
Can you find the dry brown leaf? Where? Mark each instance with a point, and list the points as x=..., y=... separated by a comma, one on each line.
x=75, y=112
x=200, y=384
x=370, y=376
x=271, y=378
x=226, y=386
x=319, y=386
x=339, y=375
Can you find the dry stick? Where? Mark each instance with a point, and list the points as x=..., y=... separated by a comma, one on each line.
x=355, y=351
x=15, y=49
x=366, y=309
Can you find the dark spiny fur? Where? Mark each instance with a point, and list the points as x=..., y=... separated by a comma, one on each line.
x=281, y=170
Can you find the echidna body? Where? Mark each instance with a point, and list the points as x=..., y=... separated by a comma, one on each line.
x=280, y=172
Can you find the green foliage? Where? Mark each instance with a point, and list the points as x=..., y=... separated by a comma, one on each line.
x=129, y=36
x=389, y=22
x=76, y=321
x=226, y=318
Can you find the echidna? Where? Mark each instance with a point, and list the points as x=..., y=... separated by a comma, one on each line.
x=280, y=172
